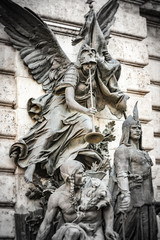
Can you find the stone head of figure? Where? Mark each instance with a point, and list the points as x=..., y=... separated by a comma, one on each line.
x=87, y=58
x=72, y=171
x=95, y=193
x=131, y=129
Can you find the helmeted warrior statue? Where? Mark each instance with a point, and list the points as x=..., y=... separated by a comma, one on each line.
x=135, y=217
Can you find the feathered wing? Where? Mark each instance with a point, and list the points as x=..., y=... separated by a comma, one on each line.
x=36, y=43
x=106, y=16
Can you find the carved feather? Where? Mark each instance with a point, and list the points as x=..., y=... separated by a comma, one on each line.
x=106, y=16
x=38, y=46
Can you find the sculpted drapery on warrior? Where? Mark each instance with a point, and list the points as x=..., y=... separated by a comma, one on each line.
x=62, y=115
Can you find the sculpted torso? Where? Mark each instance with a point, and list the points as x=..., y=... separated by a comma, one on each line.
x=67, y=209
x=139, y=162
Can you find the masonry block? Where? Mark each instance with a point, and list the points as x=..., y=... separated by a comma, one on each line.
x=24, y=122
x=147, y=136
x=128, y=50
x=7, y=58
x=129, y=22
x=152, y=41
x=27, y=88
x=5, y=161
x=8, y=188
x=144, y=106
x=155, y=92
x=7, y=122
x=7, y=89
x=134, y=78
x=156, y=121
x=153, y=69
x=7, y=223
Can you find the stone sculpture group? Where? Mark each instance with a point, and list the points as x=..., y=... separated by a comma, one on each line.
x=61, y=145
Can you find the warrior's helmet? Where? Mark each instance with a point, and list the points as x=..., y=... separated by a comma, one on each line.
x=131, y=120
x=87, y=55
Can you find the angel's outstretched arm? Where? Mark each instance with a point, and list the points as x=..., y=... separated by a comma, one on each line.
x=72, y=104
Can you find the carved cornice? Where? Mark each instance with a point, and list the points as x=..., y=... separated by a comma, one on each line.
x=11, y=73
x=133, y=64
x=155, y=82
x=137, y=91
x=148, y=149
x=151, y=11
x=156, y=108
x=136, y=2
x=145, y=121
x=7, y=205
x=2, y=136
x=157, y=160
x=12, y=105
x=63, y=28
x=157, y=134
x=125, y=35
x=7, y=170
x=152, y=57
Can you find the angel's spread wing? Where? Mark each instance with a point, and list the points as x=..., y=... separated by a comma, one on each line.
x=37, y=44
x=106, y=16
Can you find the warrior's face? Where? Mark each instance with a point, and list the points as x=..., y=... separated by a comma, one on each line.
x=78, y=177
x=135, y=131
x=88, y=59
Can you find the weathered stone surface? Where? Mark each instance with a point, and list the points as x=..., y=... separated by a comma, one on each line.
x=156, y=147
x=128, y=50
x=152, y=41
x=60, y=10
x=144, y=106
x=7, y=58
x=156, y=121
x=5, y=161
x=147, y=140
x=24, y=122
x=27, y=88
x=7, y=89
x=22, y=187
x=66, y=44
x=134, y=78
x=8, y=188
x=153, y=68
x=21, y=69
x=155, y=92
x=128, y=21
x=7, y=122
x=7, y=223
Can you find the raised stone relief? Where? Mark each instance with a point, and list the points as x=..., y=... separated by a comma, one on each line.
x=74, y=91
x=84, y=207
x=135, y=216
x=65, y=156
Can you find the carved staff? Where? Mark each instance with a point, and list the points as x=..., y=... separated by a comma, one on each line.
x=93, y=137
x=91, y=94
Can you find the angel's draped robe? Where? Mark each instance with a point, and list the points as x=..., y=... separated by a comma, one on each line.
x=59, y=134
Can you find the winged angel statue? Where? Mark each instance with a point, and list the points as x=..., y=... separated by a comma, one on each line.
x=63, y=114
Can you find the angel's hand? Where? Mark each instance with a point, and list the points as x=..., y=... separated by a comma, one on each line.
x=91, y=111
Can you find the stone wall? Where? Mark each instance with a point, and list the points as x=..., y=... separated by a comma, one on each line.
x=135, y=42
